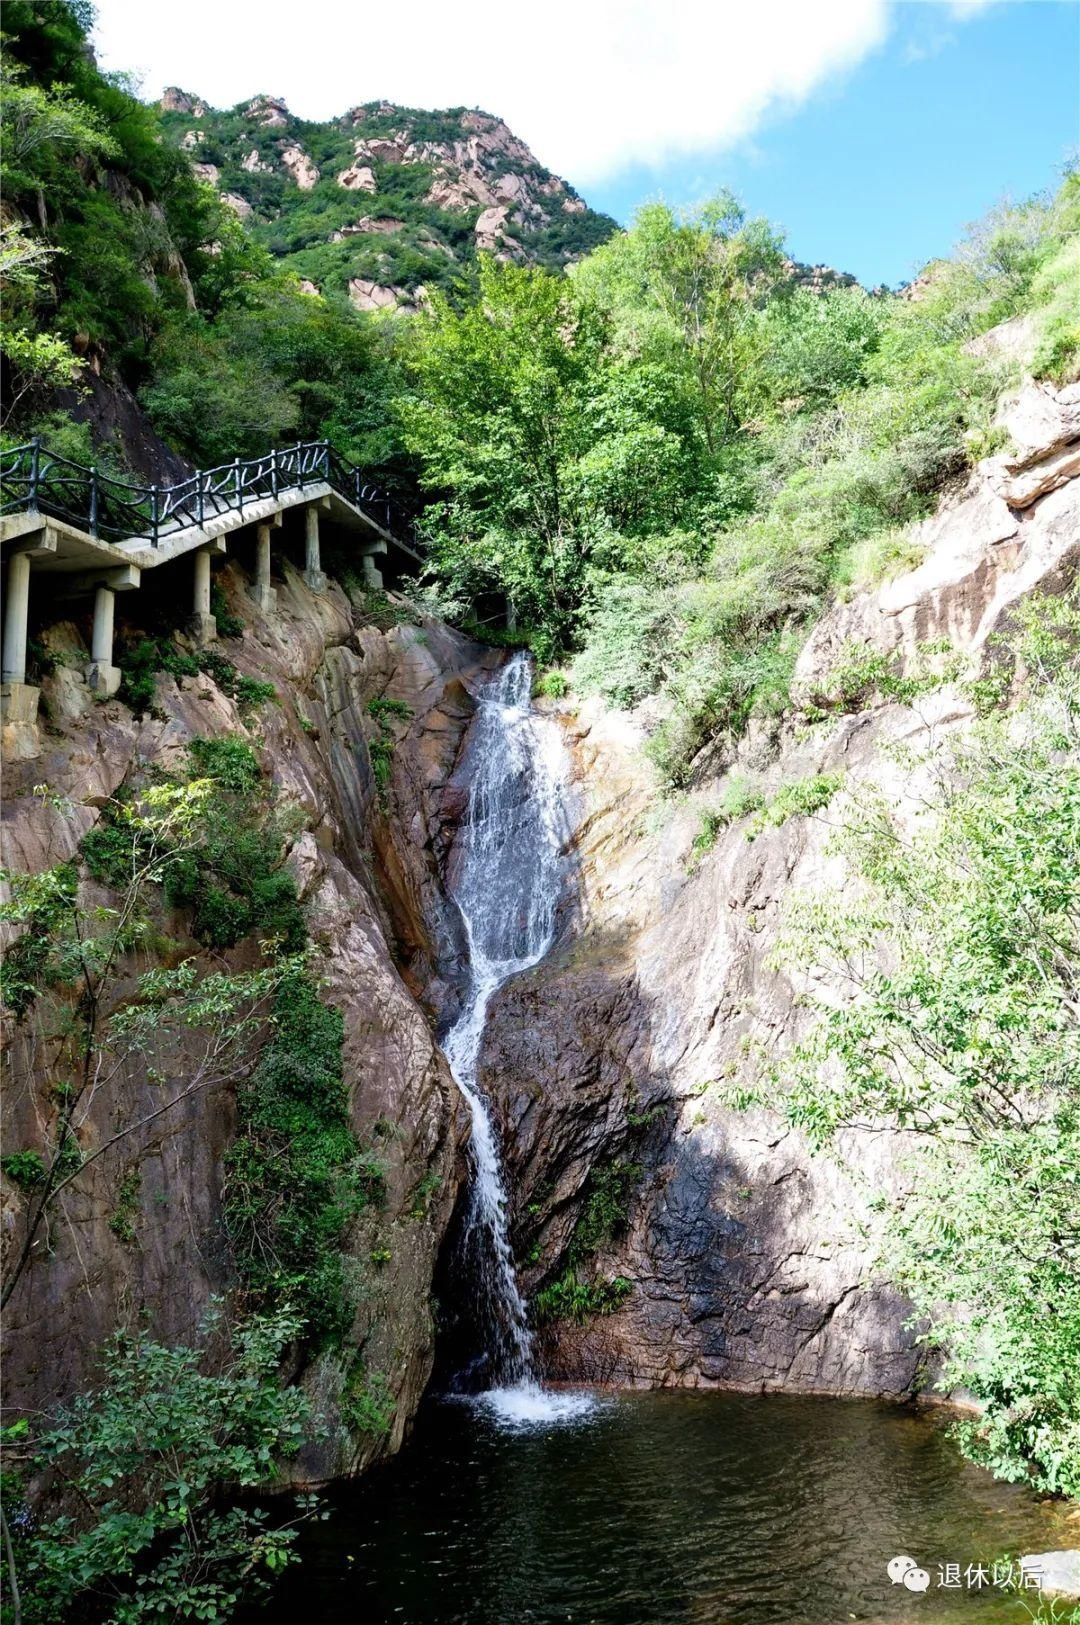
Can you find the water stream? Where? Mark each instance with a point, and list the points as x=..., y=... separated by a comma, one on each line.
x=711, y=1508
x=506, y=880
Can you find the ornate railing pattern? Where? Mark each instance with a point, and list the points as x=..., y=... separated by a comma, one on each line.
x=36, y=479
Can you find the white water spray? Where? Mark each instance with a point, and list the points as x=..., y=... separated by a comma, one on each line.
x=506, y=882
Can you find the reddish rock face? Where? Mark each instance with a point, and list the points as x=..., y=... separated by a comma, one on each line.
x=384, y=939
x=750, y=1261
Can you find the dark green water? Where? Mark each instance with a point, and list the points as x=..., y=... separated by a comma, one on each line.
x=701, y=1507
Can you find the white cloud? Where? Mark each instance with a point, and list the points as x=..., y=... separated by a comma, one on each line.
x=592, y=86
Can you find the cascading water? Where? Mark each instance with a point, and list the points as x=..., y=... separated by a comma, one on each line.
x=506, y=881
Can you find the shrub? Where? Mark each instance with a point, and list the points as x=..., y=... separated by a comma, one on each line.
x=296, y=1176
x=228, y=624
x=147, y=1453
x=367, y=1405
x=1057, y=287
x=801, y=798
x=381, y=749
x=569, y=1298
x=738, y=799
x=41, y=904
x=25, y=1168
x=231, y=876
x=551, y=685
x=957, y=1025
x=603, y=1217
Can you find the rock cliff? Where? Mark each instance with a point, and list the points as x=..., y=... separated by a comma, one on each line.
x=367, y=869
x=748, y=1260
x=721, y=1251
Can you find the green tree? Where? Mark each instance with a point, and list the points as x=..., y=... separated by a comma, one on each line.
x=542, y=450
x=270, y=364
x=41, y=129
x=961, y=1029
x=690, y=290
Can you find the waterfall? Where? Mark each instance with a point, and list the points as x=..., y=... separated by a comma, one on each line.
x=506, y=881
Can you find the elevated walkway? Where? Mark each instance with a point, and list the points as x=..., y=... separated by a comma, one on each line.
x=74, y=530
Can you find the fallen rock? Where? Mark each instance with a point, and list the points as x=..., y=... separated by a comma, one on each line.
x=1058, y=1573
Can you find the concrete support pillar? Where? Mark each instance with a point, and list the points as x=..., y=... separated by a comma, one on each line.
x=203, y=624
x=370, y=552
x=263, y=593
x=313, y=574
x=102, y=675
x=101, y=645
x=19, y=739
x=16, y=614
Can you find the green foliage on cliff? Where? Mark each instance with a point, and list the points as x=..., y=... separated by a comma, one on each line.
x=232, y=878
x=577, y=1293
x=295, y=1175
x=367, y=1406
x=211, y=842
x=961, y=1030
x=124, y=259
x=116, y=272
x=143, y=1455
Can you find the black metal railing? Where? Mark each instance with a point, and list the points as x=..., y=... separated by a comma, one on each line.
x=34, y=479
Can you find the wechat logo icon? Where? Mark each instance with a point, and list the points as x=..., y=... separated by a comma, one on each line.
x=905, y=1571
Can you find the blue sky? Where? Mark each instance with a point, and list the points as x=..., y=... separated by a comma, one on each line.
x=872, y=130
x=883, y=166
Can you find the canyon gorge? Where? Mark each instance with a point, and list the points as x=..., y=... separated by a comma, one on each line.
x=742, y=1259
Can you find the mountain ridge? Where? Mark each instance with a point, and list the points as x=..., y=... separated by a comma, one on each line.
x=385, y=202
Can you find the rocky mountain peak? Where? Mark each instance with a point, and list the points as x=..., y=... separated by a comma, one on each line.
x=175, y=100
x=268, y=110
x=444, y=186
